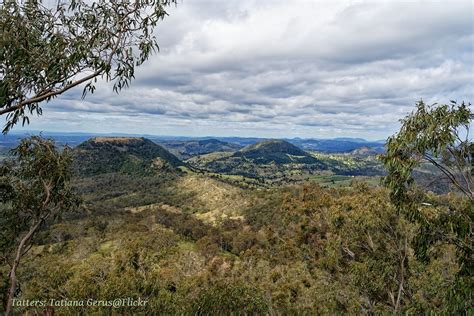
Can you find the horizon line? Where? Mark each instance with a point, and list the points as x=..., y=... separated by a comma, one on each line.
x=23, y=132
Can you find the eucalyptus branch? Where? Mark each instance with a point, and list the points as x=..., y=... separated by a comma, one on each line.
x=50, y=51
x=450, y=175
x=49, y=94
x=461, y=168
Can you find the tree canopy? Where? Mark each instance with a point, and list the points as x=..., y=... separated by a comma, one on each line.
x=46, y=51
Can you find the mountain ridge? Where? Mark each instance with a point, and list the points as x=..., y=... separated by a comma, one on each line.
x=278, y=151
x=187, y=149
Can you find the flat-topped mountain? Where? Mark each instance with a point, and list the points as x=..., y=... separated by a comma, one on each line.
x=277, y=151
x=122, y=154
x=187, y=149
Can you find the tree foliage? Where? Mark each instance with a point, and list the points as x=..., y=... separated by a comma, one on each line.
x=45, y=51
x=437, y=135
x=33, y=191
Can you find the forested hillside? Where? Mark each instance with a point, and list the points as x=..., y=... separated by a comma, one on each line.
x=177, y=241
x=121, y=154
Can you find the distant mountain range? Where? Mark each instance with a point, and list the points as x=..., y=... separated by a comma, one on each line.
x=338, y=145
x=266, y=162
x=185, y=147
x=100, y=155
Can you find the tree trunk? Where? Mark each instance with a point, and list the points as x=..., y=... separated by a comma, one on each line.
x=11, y=291
x=16, y=262
x=402, y=276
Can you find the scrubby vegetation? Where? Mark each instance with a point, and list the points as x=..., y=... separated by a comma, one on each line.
x=300, y=249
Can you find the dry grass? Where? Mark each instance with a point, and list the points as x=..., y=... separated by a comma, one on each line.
x=155, y=206
x=215, y=199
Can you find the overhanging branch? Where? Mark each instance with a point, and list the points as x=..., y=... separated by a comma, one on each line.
x=44, y=96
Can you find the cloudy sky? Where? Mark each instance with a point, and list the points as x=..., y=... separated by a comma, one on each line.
x=274, y=68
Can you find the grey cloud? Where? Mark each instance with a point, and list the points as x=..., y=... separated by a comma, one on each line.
x=310, y=68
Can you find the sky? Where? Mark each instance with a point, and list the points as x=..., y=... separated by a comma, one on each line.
x=270, y=68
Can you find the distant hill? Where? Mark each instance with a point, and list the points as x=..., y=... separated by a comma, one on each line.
x=364, y=152
x=276, y=151
x=270, y=159
x=122, y=154
x=190, y=148
x=350, y=139
x=184, y=146
x=337, y=145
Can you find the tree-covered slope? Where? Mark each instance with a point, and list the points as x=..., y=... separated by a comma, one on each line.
x=296, y=250
x=121, y=154
x=190, y=148
x=277, y=151
x=271, y=160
